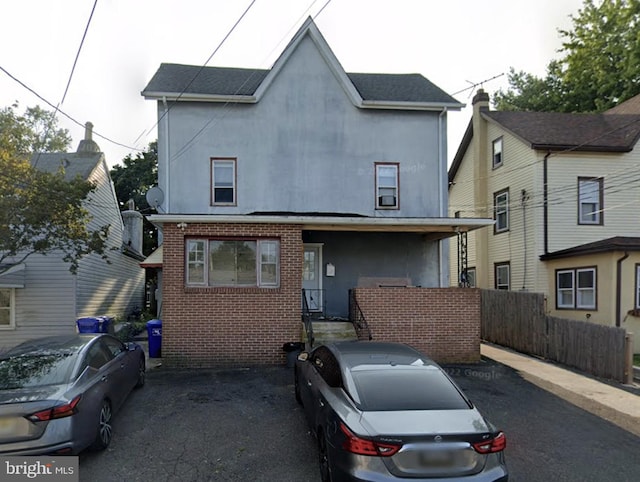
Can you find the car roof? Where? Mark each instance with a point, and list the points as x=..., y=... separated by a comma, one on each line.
x=359, y=353
x=64, y=343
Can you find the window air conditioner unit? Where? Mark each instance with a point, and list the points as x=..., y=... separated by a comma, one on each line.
x=387, y=200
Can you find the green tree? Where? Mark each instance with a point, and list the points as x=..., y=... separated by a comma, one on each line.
x=600, y=67
x=132, y=180
x=41, y=212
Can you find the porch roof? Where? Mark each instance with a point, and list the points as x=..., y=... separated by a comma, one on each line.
x=12, y=275
x=434, y=228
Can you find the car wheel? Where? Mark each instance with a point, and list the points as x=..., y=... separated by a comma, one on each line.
x=325, y=469
x=105, y=430
x=142, y=373
x=296, y=384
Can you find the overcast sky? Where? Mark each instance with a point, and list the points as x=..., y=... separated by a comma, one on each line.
x=454, y=43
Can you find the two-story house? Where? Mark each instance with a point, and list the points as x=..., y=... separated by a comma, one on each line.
x=39, y=296
x=564, y=191
x=299, y=177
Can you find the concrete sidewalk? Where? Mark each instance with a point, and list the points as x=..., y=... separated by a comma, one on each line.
x=613, y=404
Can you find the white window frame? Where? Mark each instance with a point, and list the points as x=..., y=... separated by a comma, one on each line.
x=502, y=266
x=11, y=309
x=199, y=258
x=637, y=287
x=577, y=291
x=385, y=189
x=590, y=200
x=223, y=162
x=570, y=289
x=501, y=209
x=497, y=150
x=264, y=247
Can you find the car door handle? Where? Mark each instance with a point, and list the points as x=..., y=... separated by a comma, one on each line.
x=309, y=384
x=321, y=403
x=103, y=378
x=121, y=365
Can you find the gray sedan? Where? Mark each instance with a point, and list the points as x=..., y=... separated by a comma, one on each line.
x=58, y=394
x=386, y=412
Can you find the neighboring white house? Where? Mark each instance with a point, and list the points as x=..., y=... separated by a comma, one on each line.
x=298, y=177
x=40, y=297
x=564, y=191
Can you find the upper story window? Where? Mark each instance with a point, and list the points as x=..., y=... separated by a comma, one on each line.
x=387, y=184
x=223, y=181
x=497, y=152
x=576, y=288
x=230, y=262
x=7, y=306
x=501, y=211
x=590, y=200
x=502, y=276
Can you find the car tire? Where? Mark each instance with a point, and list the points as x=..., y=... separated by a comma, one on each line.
x=142, y=373
x=296, y=385
x=105, y=429
x=323, y=458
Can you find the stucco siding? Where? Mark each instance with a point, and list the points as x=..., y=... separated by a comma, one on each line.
x=303, y=147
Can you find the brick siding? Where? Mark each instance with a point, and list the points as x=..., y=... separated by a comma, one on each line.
x=444, y=323
x=206, y=327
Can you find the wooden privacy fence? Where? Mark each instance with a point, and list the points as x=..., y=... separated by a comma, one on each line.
x=517, y=320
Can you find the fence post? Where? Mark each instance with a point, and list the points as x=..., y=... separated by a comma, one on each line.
x=628, y=358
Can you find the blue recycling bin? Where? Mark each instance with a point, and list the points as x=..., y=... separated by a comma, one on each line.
x=95, y=324
x=154, y=331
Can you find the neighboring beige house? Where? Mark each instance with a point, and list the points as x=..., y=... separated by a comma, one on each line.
x=564, y=192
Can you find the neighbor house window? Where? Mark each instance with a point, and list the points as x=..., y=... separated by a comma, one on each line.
x=502, y=276
x=7, y=316
x=576, y=288
x=240, y=263
x=387, y=183
x=590, y=200
x=469, y=278
x=497, y=152
x=501, y=211
x=223, y=181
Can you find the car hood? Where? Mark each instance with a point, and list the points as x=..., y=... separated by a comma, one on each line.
x=32, y=394
x=420, y=422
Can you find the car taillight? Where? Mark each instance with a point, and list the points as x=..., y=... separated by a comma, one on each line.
x=495, y=444
x=59, y=411
x=361, y=446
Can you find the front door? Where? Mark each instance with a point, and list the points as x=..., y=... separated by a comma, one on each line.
x=312, y=276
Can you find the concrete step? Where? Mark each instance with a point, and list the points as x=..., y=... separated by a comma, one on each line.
x=327, y=331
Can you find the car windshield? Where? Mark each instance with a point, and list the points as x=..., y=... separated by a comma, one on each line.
x=406, y=388
x=35, y=369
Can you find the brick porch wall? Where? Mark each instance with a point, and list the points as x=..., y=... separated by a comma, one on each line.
x=444, y=323
x=209, y=327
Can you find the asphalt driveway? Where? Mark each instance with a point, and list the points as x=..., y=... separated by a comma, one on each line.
x=244, y=425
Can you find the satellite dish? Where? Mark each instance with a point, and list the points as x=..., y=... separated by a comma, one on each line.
x=155, y=197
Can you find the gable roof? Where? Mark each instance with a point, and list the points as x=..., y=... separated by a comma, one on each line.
x=74, y=163
x=219, y=84
x=579, y=132
x=616, y=243
x=629, y=106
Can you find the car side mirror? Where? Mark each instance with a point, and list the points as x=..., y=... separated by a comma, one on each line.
x=303, y=356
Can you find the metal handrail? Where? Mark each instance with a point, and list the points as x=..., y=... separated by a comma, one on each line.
x=306, y=320
x=356, y=316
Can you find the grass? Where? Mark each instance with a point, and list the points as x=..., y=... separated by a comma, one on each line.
x=636, y=359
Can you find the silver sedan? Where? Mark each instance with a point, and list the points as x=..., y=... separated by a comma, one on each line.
x=386, y=412
x=58, y=394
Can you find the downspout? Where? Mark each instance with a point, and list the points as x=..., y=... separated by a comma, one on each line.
x=167, y=191
x=545, y=201
x=619, y=288
x=524, y=199
x=441, y=191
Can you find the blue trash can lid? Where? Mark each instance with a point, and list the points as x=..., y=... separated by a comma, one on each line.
x=154, y=323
